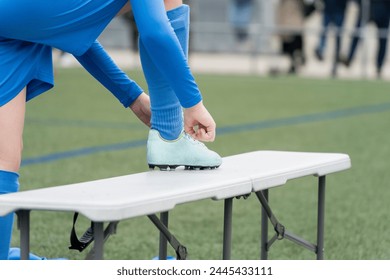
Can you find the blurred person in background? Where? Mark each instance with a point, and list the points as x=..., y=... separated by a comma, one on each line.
x=290, y=19
x=240, y=16
x=133, y=31
x=333, y=13
x=379, y=14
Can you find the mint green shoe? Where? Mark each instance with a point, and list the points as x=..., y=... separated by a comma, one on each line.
x=183, y=151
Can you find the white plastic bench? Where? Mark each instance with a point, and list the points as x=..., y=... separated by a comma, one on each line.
x=115, y=199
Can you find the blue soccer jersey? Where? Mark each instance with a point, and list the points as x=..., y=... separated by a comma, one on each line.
x=71, y=26
x=28, y=30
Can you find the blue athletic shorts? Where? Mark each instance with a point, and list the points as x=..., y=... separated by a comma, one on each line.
x=28, y=30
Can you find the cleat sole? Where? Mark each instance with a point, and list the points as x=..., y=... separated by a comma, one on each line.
x=165, y=167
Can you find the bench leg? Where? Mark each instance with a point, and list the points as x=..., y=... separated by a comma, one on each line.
x=281, y=233
x=321, y=218
x=24, y=227
x=98, y=232
x=227, y=229
x=264, y=230
x=163, y=251
x=181, y=251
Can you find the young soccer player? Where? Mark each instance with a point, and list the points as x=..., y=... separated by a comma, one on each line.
x=28, y=30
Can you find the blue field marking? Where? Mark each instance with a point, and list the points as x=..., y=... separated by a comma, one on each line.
x=265, y=124
x=83, y=152
x=84, y=123
x=308, y=118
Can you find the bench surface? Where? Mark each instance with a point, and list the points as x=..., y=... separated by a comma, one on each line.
x=150, y=192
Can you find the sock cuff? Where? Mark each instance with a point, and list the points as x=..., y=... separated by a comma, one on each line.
x=173, y=113
x=179, y=18
x=9, y=182
x=178, y=11
x=168, y=122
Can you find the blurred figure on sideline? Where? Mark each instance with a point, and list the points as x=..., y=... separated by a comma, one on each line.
x=333, y=13
x=290, y=18
x=379, y=14
x=133, y=32
x=240, y=16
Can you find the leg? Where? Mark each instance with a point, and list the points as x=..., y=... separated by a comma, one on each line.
x=382, y=46
x=163, y=50
x=297, y=55
x=227, y=229
x=300, y=47
x=99, y=240
x=166, y=109
x=172, y=4
x=339, y=19
x=181, y=251
x=381, y=55
x=164, y=217
x=11, y=127
x=322, y=43
x=321, y=218
x=264, y=230
x=134, y=34
x=24, y=224
x=240, y=13
x=289, y=50
x=163, y=46
x=355, y=40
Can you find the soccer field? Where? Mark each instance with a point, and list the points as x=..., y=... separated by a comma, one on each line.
x=78, y=132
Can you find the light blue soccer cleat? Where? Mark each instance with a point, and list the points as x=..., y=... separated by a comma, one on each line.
x=183, y=151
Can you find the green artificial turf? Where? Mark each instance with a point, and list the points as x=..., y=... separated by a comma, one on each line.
x=252, y=113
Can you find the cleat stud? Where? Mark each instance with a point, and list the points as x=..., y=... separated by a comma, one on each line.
x=163, y=167
x=173, y=167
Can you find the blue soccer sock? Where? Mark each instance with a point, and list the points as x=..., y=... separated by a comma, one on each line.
x=167, y=115
x=8, y=184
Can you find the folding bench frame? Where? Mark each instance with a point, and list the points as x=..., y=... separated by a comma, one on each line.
x=282, y=233
x=266, y=215
x=100, y=235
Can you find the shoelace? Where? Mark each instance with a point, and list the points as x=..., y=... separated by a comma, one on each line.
x=190, y=138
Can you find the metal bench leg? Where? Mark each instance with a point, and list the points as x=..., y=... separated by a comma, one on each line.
x=321, y=218
x=98, y=228
x=227, y=229
x=264, y=231
x=282, y=233
x=24, y=227
x=181, y=251
x=163, y=250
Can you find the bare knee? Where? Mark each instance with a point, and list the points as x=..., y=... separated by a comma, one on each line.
x=11, y=127
x=11, y=157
